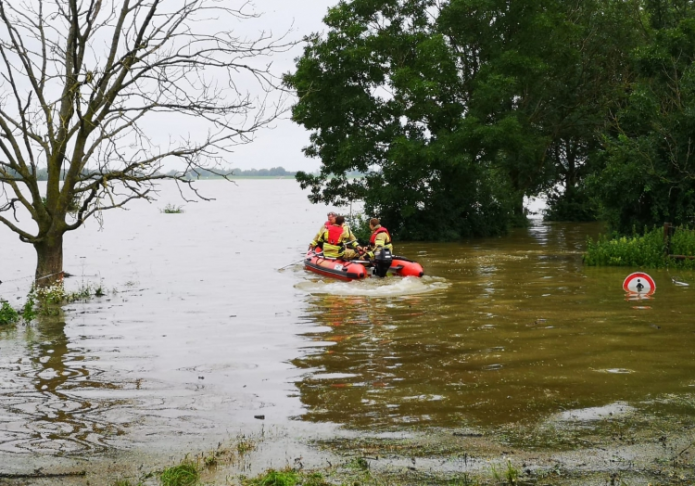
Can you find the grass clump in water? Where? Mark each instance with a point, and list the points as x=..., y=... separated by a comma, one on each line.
x=184, y=474
x=287, y=477
x=274, y=478
x=244, y=444
x=172, y=209
x=647, y=250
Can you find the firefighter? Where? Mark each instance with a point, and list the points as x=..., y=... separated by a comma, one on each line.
x=350, y=252
x=381, y=238
x=333, y=238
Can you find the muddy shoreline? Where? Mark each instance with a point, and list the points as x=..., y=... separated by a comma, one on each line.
x=613, y=445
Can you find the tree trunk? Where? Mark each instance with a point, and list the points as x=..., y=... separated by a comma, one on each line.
x=49, y=261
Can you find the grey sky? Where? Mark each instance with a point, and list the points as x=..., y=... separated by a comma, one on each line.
x=281, y=146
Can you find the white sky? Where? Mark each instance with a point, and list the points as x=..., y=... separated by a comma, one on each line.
x=281, y=146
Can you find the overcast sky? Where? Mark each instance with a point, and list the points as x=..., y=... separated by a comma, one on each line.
x=281, y=146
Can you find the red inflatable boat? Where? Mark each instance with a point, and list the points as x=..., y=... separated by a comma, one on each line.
x=332, y=267
x=360, y=269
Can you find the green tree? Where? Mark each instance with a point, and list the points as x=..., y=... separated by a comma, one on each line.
x=650, y=160
x=382, y=95
x=457, y=110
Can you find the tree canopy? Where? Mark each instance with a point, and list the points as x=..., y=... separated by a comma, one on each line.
x=458, y=109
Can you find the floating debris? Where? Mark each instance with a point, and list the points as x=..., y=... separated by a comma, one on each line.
x=616, y=371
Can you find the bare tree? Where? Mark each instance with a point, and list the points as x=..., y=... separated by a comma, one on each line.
x=81, y=80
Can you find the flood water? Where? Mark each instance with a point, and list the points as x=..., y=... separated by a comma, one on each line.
x=199, y=332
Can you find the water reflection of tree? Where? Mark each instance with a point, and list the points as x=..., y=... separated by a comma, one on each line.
x=54, y=403
x=355, y=379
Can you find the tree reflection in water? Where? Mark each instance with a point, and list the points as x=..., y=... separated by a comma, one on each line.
x=353, y=380
x=49, y=401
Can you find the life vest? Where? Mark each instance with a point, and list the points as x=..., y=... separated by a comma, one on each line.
x=372, y=240
x=335, y=232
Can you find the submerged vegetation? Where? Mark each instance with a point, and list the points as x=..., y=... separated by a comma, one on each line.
x=172, y=209
x=184, y=474
x=46, y=301
x=359, y=225
x=8, y=315
x=648, y=250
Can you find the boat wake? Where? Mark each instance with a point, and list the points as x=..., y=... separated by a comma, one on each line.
x=375, y=287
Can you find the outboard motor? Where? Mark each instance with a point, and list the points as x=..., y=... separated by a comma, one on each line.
x=382, y=262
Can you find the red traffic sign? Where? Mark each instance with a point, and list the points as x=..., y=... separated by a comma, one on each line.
x=639, y=283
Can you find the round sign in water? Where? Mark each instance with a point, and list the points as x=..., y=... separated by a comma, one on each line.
x=639, y=283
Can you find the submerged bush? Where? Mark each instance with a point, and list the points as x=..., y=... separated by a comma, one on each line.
x=647, y=250
x=683, y=242
x=8, y=315
x=359, y=225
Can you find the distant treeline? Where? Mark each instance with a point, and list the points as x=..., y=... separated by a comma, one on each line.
x=273, y=172
x=42, y=174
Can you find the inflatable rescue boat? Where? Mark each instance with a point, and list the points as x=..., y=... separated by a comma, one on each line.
x=383, y=264
x=333, y=267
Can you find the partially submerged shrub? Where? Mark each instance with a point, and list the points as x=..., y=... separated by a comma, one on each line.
x=646, y=251
x=29, y=309
x=46, y=300
x=8, y=315
x=359, y=224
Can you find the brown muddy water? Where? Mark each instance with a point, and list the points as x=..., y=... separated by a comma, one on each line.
x=200, y=333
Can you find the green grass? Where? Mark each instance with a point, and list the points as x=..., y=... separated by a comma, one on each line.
x=125, y=482
x=645, y=251
x=274, y=478
x=465, y=479
x=184, y=474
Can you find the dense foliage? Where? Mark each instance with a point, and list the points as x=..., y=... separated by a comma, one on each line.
x=649, y=177
x=457, y=109
x=645, y=250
